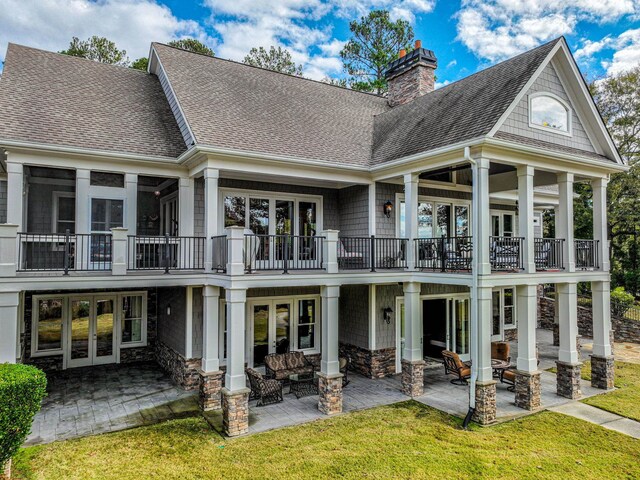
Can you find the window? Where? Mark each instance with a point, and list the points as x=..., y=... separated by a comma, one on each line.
x=234, y=212
x=509, y=317
x=436, y=219
x=549, y=112
x=503, y=310
x=64, y=212
x=132, y=319
x=496, y=325
x=107, y=179
x=306, y=324
x=48, y=325
x=106, y=214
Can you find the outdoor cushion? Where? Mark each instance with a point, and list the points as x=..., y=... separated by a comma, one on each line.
x=307, y=369
x=295, y=360
x=500, y=351
x=276, y=362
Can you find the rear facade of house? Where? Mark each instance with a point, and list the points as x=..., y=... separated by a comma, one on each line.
x=205, y=214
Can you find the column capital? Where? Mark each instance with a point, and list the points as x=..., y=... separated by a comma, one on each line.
x=330, y=291
x=599, y=182
x=525, y=170
x=185, y=182
x=483, y=162
x=410, y=177
x=565, y=177
x=411, y=287
x=14, y=167
x=210, y=291
x=235, y=295
x=83, y=173
x=210, y=173
x=131, y=178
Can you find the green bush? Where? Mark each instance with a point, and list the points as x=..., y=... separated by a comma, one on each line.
x=22, y=388
x=621, y=301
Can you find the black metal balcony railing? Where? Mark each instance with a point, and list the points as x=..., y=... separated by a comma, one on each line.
x=587, y=254
x=548, y=253
x=283, y=252
x=372, y=253
x=506, y=253
x=444, y=254
x=64, y=252
x=220, y=253
x=152, y=252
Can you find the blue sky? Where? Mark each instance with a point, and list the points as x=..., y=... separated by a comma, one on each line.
x=466, y=35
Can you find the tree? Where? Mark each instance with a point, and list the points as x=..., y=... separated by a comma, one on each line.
x=375, y=42
x=141, y=64
x=338, y=82
x=99, y=49
x=192, y=45
x=276, y=59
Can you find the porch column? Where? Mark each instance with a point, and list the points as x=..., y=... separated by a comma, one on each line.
x=9, y=317
x=186, y=206
x=9, y=261
x=235, y=394
x=564, y=221
x=330, y=381
x=484, y=220
x=412, y=359
x=15, y=193
x=600, y=232
x=525, y=215
x=411, y=215
x=83, y=179
x=602, y=366
x=568, y=364
x=485, y=411
x=131, y=185
x=210, y=373
x=527, y=376
x=211, y=176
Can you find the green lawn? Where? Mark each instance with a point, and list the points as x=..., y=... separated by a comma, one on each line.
x=625, y=400
x=406, y=440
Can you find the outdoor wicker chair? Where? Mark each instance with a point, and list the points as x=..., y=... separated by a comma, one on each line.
x=266, y=391
x=454, y=366
x=509, y=377
x=345, y=363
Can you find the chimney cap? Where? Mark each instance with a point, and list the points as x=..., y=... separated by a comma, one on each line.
x=415, y=57
x=418, y=43
x=402, y=53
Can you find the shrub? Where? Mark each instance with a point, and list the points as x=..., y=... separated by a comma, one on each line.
x=22, y=388
x=621, y=301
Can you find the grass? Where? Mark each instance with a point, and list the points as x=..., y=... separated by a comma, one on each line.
x=405, y=440
x=625, y=400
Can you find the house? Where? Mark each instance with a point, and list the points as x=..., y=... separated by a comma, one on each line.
x=208, y=213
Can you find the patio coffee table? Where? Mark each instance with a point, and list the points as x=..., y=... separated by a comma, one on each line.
x=499, y=366
x=303, y=384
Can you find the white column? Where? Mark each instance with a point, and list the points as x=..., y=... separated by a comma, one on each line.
x=15, y=194
x=188, y=323
x=329, y=363
x=525, y=215
x=411, y=215
x=484, y=222
x=564, y=220
x=373, y=314
x=211, y=226
x=8, y=249
x=236, y=245
x=186, y=206
x=482, y=358
x=568, y=316
x=131, y=185
x=372, y=209
x=119, y=248
x=83, y=178
x=412, y=323
x=211, y=330
x=601, y=304
x=600, y=231
x=330, y=250
x=236, y=311
x=9, y=309
x=527, y=313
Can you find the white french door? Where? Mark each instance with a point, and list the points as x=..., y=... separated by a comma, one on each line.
x=270, y=322
x=458, y=331
x=92, y=331
x=169, y=215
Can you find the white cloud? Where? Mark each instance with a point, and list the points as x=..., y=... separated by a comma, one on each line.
x=131, y=24
x=441, y=84
x=498, y=29
x=590, y=48
x=452, y=63
x=627, y=52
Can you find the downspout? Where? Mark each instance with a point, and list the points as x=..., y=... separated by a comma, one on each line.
x=474, y=282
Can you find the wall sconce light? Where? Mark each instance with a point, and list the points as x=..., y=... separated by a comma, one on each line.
x=157, y=193
x=386, y=314
x=387, y=208
x=169, y=310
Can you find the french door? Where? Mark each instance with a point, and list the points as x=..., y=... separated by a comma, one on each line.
x=92, y=331
x=458, y=331
x=271, y=325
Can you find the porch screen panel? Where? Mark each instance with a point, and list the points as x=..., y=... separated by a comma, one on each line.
x=306, y=324
x=49, y=327
x=80, y=315
x=66, y=214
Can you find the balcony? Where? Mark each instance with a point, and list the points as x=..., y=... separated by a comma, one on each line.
x=587, y=254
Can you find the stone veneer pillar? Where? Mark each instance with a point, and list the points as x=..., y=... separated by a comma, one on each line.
x=210, y=388
x=330, y=390
x=235, y=411
x=413, y=378
x=568, y=380
x=485, y=412
x=602, y=372
x=528, y=390
x=556, y=335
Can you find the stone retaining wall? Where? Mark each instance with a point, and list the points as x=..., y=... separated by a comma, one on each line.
x=183, y=371
x=370, y=363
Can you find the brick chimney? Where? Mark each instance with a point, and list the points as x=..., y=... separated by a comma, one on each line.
x=411, y=76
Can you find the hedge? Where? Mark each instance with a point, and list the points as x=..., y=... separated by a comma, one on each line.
x=22, y=388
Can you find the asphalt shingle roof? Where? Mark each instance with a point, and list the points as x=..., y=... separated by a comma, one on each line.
x=67, y=101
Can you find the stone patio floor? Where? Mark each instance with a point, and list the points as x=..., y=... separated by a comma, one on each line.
x=103, y=399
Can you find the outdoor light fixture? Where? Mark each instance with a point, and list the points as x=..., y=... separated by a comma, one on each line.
x=386, y=312
x=387, y=208
x=169, y=310
x=157, y=193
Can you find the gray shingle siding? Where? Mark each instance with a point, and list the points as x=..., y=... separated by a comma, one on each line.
x=171, y=328
x=353, y=325
x=353, y=207
x=175, y=108
x=198, y=207
x=517, y=123
x=196, y=327
x=3, y=201
x=386, y=297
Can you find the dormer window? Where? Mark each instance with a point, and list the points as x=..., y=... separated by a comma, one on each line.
x=548, y=112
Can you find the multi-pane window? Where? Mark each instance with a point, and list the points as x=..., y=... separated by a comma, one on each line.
x=49, y=325
x=436, y=219
x=306, y=324
x=107, y=179
x=132, y=319
x=106, y=214
x=509, y=317
x=234, y=211
x=548, y=112
x=64, y=205
x=504, y=313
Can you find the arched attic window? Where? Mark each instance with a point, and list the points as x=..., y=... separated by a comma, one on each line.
x=548, y=112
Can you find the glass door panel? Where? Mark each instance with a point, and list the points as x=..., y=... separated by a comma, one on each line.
x=79, y=345
x=104, y=330
x=495, y=225
x=462, y=328
x=259, y=224
x=443, y=220
x=496, y=324
x=507, y=227
x=260, y=333
x=425, y=220
x=462, y=220
x=284, y=221
x=283, y=327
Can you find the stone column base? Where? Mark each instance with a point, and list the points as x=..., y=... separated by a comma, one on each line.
x=235, y=411
x=568, y=380
x=556, y=335
x=485, y=412
x=528, y=390
x=413, y=378
x=210, y=387
x=330, y=391
x=602, y=372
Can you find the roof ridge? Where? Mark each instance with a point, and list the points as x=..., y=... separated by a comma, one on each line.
x=268, y=70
